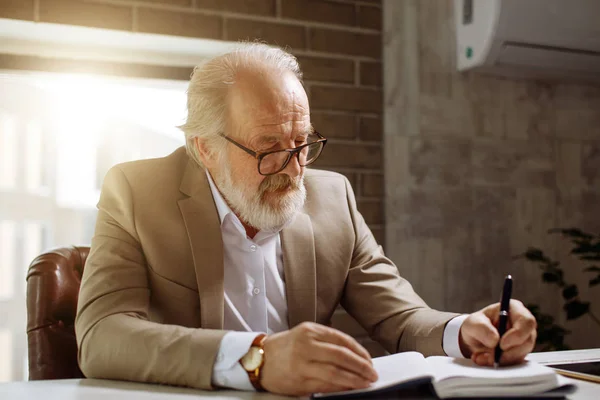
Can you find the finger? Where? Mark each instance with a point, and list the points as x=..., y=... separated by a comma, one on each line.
x=492, y=312
x=481, y=331
x=524, y=324
x=519, y=314
x=334, y=336
x=484, y=359
x=517, y=354
x=331, y=375
x=343, y=358
x=516, y=337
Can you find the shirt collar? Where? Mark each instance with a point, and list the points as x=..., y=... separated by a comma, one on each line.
x=222, y=206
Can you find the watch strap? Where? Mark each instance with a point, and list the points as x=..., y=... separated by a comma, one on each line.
x=255, y=375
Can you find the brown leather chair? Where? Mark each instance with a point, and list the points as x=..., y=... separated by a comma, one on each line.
x=53, y=283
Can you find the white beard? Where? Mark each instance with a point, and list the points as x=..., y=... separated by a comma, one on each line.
x=249, y=206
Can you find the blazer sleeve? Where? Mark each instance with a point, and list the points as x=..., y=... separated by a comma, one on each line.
x=384, y=303
x=115, y=338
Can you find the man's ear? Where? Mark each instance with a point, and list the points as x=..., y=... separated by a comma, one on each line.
x=206, y=156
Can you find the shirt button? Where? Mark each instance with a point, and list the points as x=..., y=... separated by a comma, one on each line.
x=224, y=381
x=253, y=247
x=256, y=291
x=220, y=357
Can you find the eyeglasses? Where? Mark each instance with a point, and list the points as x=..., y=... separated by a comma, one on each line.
x=273, y=162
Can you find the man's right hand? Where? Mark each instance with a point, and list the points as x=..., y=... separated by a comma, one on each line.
x=312, y=358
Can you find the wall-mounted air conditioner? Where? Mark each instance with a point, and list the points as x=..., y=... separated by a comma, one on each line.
x=530, y=38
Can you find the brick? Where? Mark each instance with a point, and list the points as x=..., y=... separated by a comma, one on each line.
x=276, y=34
x=71, y=12
x=334, y=125
x=371, y=210
x=341, y=42
x=370, y=129
x=350, y=156
x=347, y=99
x=17, y=9
x=327, y=69
x=371, y=73
x=319, y=11
x=179, y=3
x=179, y=23
x=372, y=185
x=257, y=7
x=369, y=17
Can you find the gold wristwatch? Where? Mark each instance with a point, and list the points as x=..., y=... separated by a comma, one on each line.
x=253, y=361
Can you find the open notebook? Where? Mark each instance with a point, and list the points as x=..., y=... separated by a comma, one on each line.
x=453, y=377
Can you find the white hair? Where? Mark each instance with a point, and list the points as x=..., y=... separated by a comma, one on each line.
x=210, y=83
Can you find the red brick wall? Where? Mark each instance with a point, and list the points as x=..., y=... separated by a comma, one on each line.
x=338, y=43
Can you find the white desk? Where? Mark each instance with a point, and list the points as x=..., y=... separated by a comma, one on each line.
x=92, y=389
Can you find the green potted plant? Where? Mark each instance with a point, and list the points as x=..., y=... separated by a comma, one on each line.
x=586, y=250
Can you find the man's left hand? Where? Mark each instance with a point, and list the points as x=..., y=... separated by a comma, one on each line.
x=478, y=335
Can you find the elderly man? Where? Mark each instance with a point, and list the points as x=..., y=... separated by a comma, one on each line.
x=221, y=266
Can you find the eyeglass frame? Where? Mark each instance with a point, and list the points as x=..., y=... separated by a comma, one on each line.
x=295, y=151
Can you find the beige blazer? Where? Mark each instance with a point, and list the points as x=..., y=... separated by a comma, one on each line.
x=151, y=302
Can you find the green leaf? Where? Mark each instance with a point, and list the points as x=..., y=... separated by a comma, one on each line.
x=569, y=292
x=572, y=233
x=595, y=257
x=550, y=277
x=533, y=254
x=533, y=308
x=595, y=281
x=576, y=309
x=582, y=248
x=552, y=265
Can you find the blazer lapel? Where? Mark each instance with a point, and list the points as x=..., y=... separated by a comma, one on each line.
x=298, y=246
x=204, y=231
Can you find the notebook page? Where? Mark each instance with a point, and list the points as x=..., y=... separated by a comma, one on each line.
x=447, y=367
x=392, y=370
x=401, y=367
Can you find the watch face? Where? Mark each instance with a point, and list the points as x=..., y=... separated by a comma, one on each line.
x=252, y=359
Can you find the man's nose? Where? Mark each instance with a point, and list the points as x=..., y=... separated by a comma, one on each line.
x=293, y=169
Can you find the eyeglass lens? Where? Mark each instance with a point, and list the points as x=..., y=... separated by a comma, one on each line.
x=275, y=162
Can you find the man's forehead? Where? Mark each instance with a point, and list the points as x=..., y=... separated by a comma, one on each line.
x=265, y=137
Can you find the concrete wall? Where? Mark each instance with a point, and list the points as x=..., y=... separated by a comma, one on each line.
x=479, y=168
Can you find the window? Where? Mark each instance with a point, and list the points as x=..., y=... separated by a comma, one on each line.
x=51, y=179
x=6, y=358
x=7, y=259
x=61, y=132
x=8, y=151
x=34, y=156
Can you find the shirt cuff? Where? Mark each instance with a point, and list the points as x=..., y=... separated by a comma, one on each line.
x=227, y=371
x=450, y=342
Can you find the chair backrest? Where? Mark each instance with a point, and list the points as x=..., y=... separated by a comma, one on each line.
x=53, y=283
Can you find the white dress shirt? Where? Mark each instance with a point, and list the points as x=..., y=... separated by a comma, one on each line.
x=255, y=300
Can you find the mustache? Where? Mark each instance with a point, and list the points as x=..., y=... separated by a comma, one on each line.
x=278, y=182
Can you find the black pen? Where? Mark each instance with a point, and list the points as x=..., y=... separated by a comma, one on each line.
x=504, y=315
